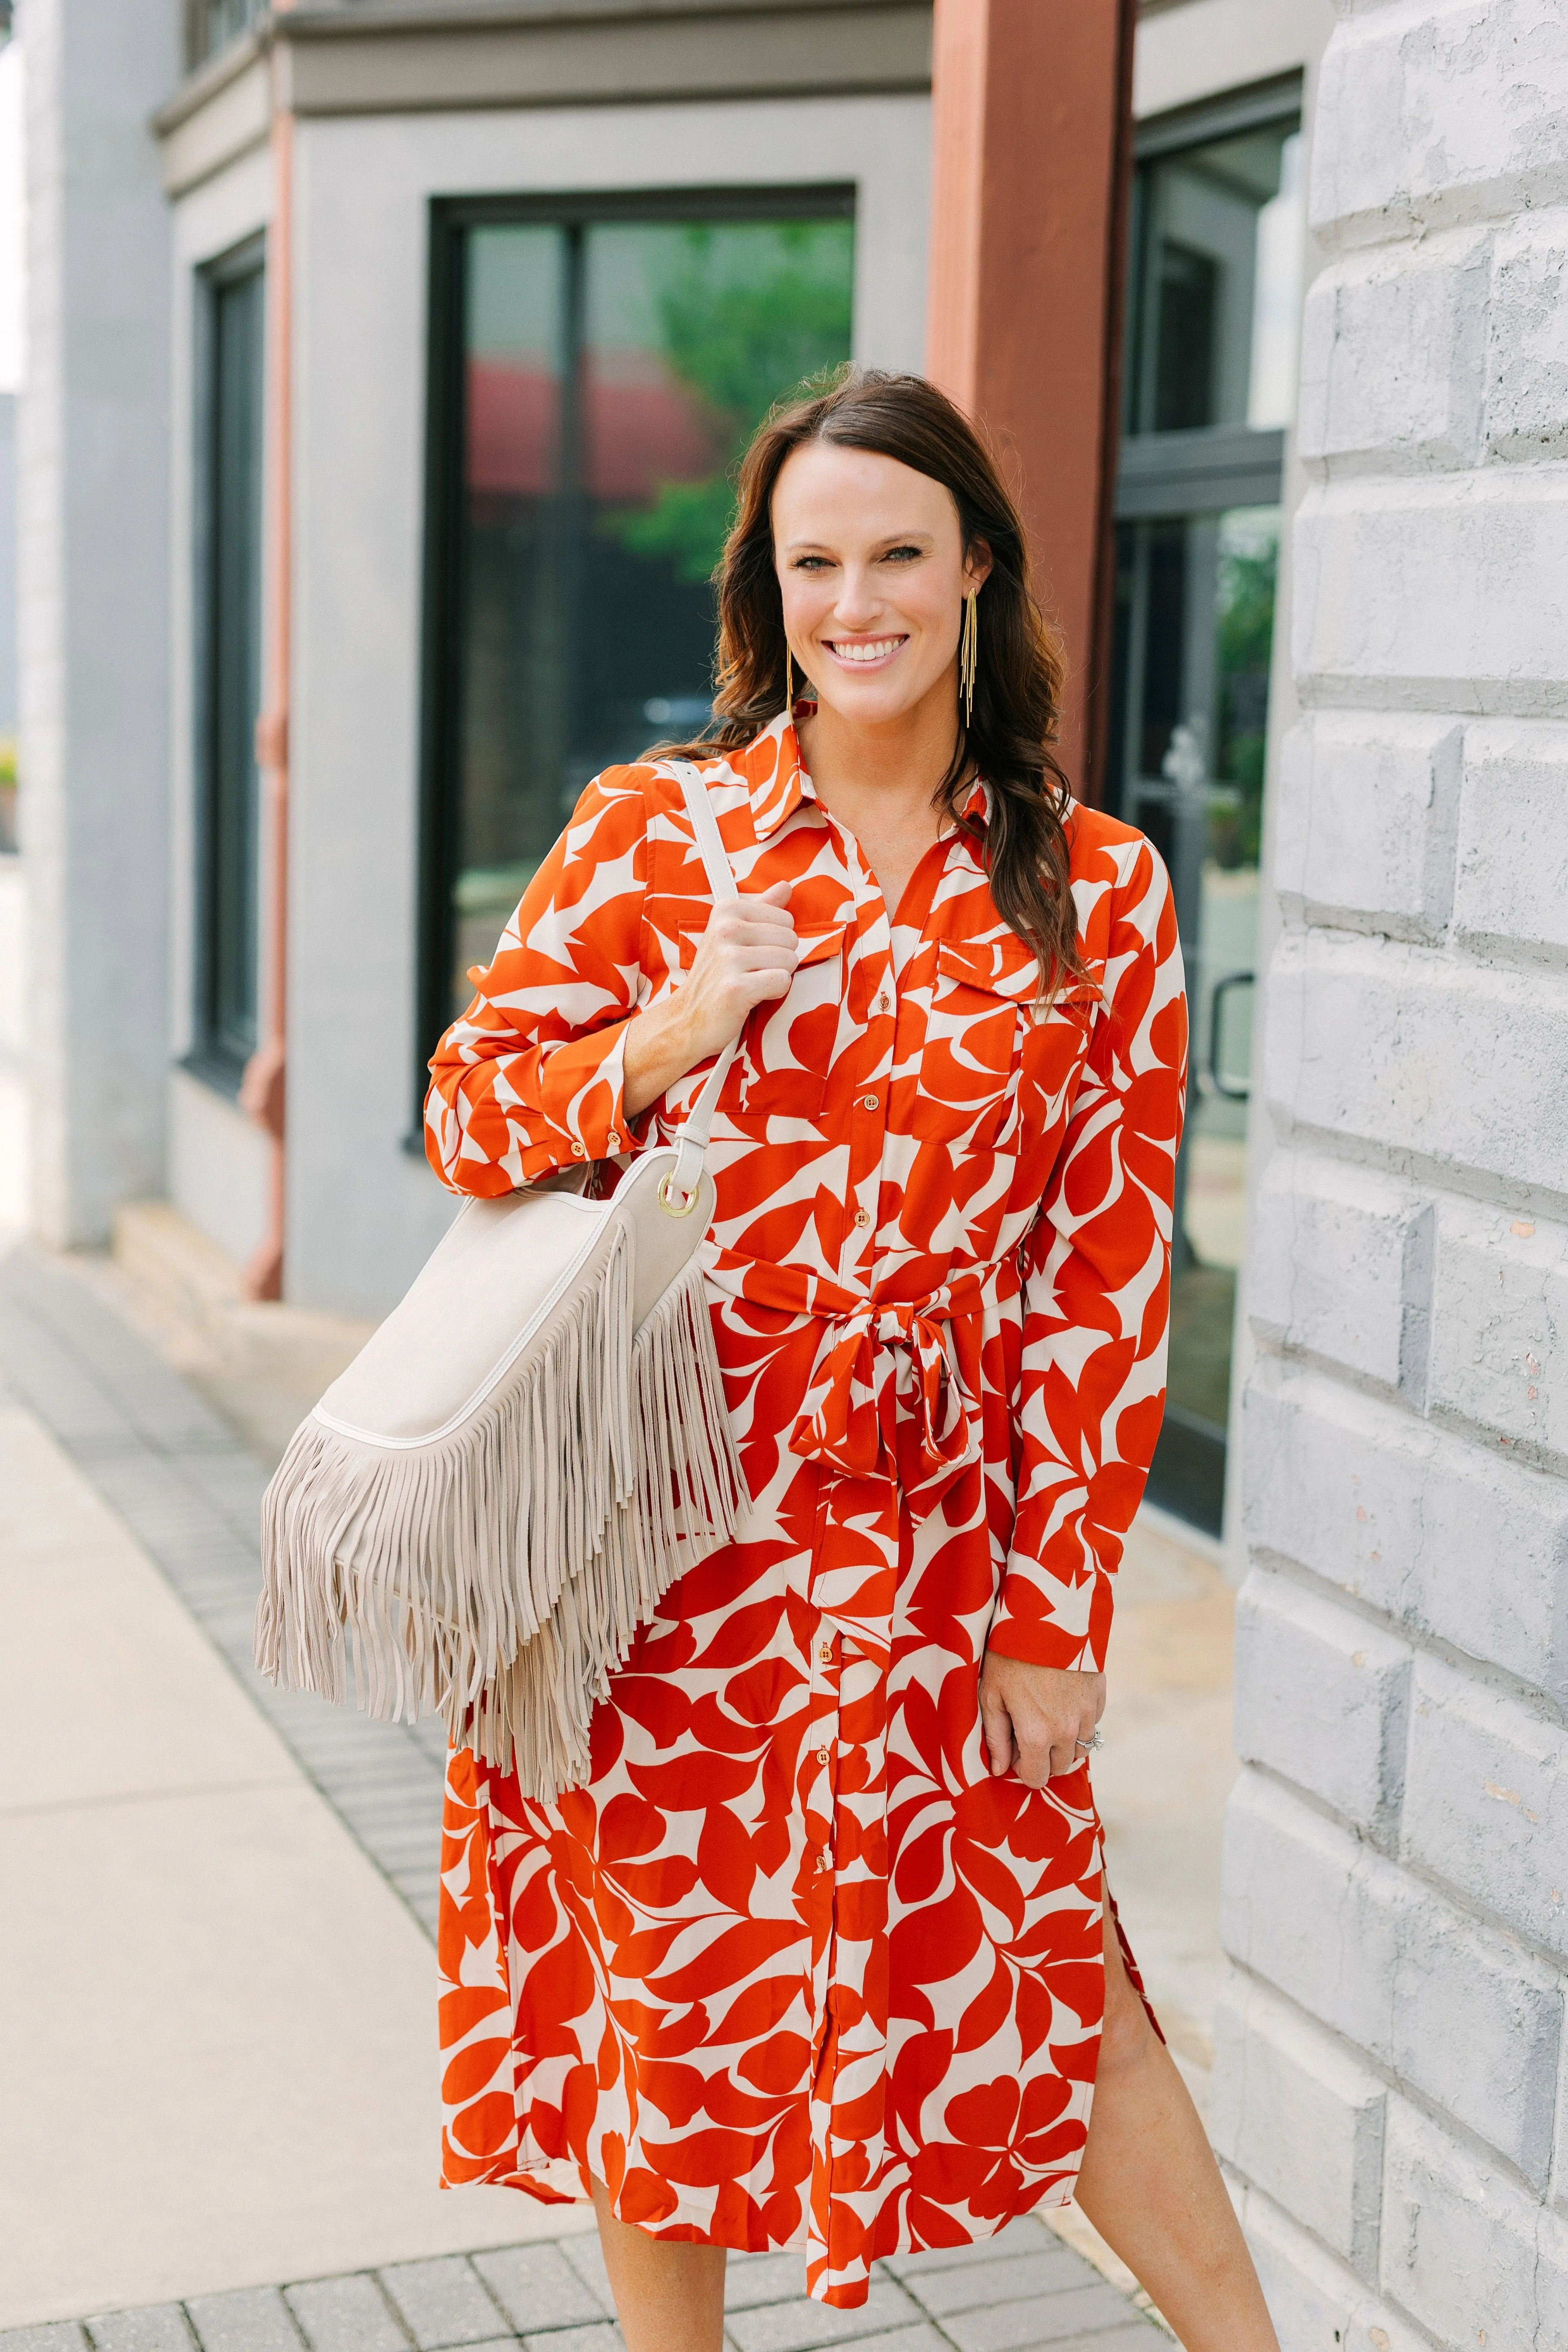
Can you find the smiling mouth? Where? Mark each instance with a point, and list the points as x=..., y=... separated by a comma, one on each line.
x=864, y=653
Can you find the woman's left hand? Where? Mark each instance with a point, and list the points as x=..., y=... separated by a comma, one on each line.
x=1038, y=1720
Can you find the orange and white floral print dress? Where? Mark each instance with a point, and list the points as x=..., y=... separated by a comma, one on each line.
x=794, y=1971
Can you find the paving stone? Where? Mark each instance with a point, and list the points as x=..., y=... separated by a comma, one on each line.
x=1040, y=2320
x=971, y=2287
x=751, y=2279
x=799, y=2324
x=346, y=2315
x=442, y=2301
x=606, y=2337
x=537, y=2287
x=921, y=2337
x=1023, y=2236
x=60, y=2335
x=586, y=2257
x=148, y=2327
x=249, y=2319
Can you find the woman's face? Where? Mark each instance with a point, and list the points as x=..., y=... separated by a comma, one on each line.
x=873, y=575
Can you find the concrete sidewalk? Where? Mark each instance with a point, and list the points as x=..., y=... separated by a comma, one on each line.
x=216, y=2012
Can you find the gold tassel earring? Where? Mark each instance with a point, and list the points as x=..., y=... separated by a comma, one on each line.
x=789, y=682
x=969, y=654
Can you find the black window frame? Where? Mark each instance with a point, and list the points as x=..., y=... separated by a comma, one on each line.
x=218, y=1059
x=1175, y=477
x=450, y=218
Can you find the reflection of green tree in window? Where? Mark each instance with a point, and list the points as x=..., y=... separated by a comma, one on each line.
x=1249, y=561
x=738, y=344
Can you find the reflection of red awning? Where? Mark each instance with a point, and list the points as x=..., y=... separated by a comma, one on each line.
x=641, y=428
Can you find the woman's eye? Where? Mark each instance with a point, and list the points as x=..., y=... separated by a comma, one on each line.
x=903, y=555
x=810, y=563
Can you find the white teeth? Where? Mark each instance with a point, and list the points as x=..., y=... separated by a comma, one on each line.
x=873, y=651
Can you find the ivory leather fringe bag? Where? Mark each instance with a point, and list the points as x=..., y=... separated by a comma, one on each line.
x=532, y=1448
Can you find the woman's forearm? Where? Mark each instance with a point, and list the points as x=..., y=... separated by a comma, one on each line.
x=659, y=1050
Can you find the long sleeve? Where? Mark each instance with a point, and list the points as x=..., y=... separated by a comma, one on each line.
x=1096, y=1293
x=529, y=1080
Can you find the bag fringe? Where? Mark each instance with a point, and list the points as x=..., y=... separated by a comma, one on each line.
x=499, y=1577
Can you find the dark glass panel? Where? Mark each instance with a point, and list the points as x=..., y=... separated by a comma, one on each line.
x=226, y=978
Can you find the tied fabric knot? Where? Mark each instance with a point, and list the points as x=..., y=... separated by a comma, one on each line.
x=849, y=1415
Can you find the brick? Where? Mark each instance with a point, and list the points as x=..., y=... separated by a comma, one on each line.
x=1294, y=2111
x=1322, y=1698
x=246, y=2319
x=536, y=2286
x=345, y=2314
x=1400, y=598
x=1339, y=1266
x=1526, y=359
x=1313, y=2299
x=1364, y=824
x=793, y=2326
x=1510, y=880
x=442, y=2303
x=1430, y=117
x=1499, y=1317
x=1486, y=1801
x=1465, y=2251
x=1375, y=1043
x=1460, y=2014
x=1399, y=1514
x=148, y=2327
x=1394, y=349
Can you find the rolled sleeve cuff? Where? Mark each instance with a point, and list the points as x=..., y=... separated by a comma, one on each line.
x=582, y=1100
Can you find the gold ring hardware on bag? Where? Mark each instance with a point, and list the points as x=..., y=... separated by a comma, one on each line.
x=667, y=1197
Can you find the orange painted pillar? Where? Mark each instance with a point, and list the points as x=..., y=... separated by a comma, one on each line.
x=1032, y=138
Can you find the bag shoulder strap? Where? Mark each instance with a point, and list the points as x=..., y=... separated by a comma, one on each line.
x=693, y=1141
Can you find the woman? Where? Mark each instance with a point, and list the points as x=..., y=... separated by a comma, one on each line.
x=821, y=1958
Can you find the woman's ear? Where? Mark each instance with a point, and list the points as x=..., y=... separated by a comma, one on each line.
x=976, y=567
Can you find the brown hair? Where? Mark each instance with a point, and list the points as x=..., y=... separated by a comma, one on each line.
x=1018, y=683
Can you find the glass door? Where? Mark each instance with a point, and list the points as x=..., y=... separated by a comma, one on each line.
x=1214, y=303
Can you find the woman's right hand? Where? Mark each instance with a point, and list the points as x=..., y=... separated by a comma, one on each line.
x=746, y=956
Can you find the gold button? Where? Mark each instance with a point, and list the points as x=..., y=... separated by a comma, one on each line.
x=614, y=1140
x=827, y=1654
x=882, y=1005
x=579, y=1151
x=824, y=1862
x=821, y=1754
x=862, y=1216
x=868, y=1102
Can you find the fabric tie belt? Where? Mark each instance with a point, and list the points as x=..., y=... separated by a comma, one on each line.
x=849, y=1414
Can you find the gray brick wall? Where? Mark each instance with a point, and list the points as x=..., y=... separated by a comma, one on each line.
x=1390, y=2085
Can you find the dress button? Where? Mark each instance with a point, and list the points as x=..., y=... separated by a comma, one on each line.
x=826, y=1653
x=824, y=1862
x=869, y=1102
x=862, y=1216
x=579, y=1151
x=614, y=1140
x=822, y=1756
x=881, y=1004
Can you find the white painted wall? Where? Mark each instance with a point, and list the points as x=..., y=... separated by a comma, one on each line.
x=94, y=448
x=363, y=1211
x=218, y=1160
x=1389, y=2087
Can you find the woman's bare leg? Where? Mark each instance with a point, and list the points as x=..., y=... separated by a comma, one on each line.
x=669, y=2294
x=1151, y=2186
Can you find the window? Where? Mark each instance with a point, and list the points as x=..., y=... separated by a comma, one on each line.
x=212, y=25
x=596, y=370
x=1214, y=306
x=228, y=665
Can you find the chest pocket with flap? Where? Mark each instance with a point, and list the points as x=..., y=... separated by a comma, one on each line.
x=982, y=1001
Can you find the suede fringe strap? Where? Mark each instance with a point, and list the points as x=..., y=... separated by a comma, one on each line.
x=500, y=1573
